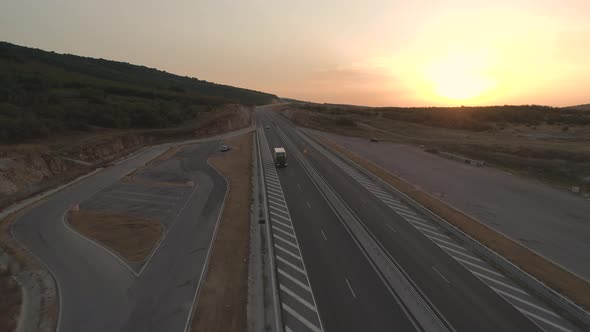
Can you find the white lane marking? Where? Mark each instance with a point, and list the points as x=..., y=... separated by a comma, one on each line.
x=282, y=223
x=385, y=197
x=500, y=283
x=324, y=235
x=443, y=241
x=391, y=227
x=287, y=329
x=273, y=186
x=272, y=200
x=405, y=210
x=274, y=190
x=441, y=275
x=286, y=241
x=478, y=266
x=276, y=195
x=429, y=231
x=309, y=206
x=293, y=279
x=279, y=216
x=350, y=287
x=423, y=224
x=299, y=186
x=282, y=231
x=155, y=202
x=278, y=209
x=528, y=313
x=460, y=253
x=275, y=182
x=287, y=251
x=406, y=214
x=525, y=302
x=307, y=323
x=396, y=205
x=286, y=262
x=173, y=197
x=297, y=297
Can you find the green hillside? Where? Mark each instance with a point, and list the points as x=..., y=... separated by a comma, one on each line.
x=42, y=93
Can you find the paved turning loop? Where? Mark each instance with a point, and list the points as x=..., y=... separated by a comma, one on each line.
x=524, y=302
x=298, y=305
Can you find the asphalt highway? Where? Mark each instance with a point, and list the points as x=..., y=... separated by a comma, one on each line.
x=464, y=301
x=349, y=292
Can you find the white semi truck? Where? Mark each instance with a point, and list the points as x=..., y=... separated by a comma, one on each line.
x=280, y=157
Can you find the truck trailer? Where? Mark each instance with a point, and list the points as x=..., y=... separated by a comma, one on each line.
x=280, y=157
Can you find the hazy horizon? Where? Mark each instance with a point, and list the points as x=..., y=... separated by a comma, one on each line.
x=375, y=53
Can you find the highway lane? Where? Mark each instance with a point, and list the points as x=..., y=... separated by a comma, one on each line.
x=465, y=302
x=97, y=292
x=350, y=294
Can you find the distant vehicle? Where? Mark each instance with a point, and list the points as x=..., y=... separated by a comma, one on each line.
x=374, y=139
x=267, y=127
x=224, y=148
x=280, y=156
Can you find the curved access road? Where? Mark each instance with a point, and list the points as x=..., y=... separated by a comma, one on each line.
x=97, y=290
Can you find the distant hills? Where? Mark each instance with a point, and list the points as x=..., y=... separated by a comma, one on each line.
x=44, y=92
x=584, y=107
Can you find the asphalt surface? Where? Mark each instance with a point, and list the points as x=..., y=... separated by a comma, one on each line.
x=551, y=222
x=97, y=291
x=465, y=301
x=350, y=295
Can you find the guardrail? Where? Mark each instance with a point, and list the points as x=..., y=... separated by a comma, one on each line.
x=560, y=302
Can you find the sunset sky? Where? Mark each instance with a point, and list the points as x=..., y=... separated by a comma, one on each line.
x=405, y=53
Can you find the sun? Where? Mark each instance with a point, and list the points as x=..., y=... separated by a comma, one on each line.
x=460, y=77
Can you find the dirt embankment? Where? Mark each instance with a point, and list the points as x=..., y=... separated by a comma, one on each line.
x=131, y=237
x=27, y=169
x=9, y=301
x=223, y=297
x=549, y=273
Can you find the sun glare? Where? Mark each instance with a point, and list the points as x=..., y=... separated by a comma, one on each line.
x=460, y=77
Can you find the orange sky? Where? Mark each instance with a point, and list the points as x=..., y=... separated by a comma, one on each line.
x=407, y=53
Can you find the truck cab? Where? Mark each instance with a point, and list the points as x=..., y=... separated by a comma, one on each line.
x=280, y=157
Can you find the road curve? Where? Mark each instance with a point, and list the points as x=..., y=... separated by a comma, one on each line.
x=97, y=291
